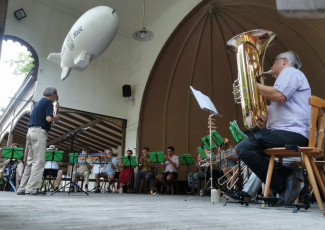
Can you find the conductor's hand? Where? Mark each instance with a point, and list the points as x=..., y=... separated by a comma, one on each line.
x=56, y=117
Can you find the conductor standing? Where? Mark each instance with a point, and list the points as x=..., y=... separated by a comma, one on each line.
x=39, y=124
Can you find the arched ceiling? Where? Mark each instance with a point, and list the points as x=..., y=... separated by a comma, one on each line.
x=196, y=55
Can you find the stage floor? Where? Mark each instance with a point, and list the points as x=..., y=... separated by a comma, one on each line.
x=140, y=211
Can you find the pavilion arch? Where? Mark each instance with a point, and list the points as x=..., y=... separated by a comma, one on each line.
x=4, y=139
x=29, y=48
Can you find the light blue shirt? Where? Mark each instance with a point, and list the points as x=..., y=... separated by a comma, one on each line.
x=108, y=168
x=294, y=114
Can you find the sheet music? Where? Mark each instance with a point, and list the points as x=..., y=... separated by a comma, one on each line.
x=204, y=101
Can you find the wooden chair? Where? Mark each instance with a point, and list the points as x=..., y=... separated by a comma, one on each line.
x=172, y=184
x=313, y=150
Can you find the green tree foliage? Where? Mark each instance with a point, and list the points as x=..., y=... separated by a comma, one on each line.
x=23, y=64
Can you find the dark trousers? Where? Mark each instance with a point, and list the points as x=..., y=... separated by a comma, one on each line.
x=251, y=153
x=146, y=175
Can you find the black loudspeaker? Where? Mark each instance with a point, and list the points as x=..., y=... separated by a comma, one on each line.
x=126, y=90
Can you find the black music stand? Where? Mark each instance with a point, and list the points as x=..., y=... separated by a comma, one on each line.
x=156, y=157
x=12, y=153
x=53, y=155
x=187, y=160
x=129, y=161
x=238, y=135
x=98, y=159
x=73, y=159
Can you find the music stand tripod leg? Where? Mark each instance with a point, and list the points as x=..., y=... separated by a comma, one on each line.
x=71, y=184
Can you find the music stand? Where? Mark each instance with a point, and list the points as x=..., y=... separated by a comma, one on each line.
x=53, y=155
x=98, y=159
x=129, y=161
x=12, y=153
x=156, y=157
x=238, y=136
x=73, y=159
x=236, y=132
x=206, y=104
x=187, y=160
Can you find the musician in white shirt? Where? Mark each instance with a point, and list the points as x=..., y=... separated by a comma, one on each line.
x=52, y=169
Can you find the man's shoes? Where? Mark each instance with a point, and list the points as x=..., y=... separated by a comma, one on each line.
x=21, y=193
x=246, y=196
x=38, y=193
x=293, y=181
x=232, y=195
x=97, y=189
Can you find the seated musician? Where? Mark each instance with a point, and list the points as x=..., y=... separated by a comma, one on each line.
x=127, y=175
x=52, y=169
x=170, y=166
x=203, y=166
x=83, y=169
x=108, y=170
x=194, y=179
x=13, y=169
x=144, y=170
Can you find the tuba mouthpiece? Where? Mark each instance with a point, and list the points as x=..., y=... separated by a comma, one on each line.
x=268, y=72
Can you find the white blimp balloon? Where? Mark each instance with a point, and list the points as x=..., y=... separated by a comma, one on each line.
x=87, y=39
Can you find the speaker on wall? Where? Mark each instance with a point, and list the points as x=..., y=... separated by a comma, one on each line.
x=126, y=90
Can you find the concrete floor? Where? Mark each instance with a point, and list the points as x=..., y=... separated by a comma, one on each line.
x=140, y=211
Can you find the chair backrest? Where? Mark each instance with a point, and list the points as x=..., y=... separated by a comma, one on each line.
x=317, y=124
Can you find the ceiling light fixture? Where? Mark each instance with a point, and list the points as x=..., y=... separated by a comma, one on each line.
x=143, y=34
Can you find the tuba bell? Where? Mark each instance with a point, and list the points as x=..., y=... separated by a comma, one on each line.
x=250, y=50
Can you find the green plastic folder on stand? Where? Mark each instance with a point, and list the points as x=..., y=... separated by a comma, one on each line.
x=186, y=159
x=129, y=161
x=53, y=155
x=236, y=132
x=157, y=157
x=12, y=153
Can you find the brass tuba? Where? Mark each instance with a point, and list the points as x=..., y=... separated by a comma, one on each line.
x=250, y=50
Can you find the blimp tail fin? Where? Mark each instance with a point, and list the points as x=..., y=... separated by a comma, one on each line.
x=82, y=60
x=55, y=58
x=65, y=72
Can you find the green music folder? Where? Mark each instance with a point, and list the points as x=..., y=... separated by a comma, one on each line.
x=206, y=142
x=217, y=138
x=157, y=157
x=51, y=155
x=129, y=161
x=12, y=153
x=73, y=158
x=186, y=159
x=236, y=132
x=202, y=152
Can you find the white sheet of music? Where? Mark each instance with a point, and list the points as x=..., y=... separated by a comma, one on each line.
x=204, y=101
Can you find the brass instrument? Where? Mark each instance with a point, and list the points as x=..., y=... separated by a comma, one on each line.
x=56, y=108
x=250, y=50
x=228, y=183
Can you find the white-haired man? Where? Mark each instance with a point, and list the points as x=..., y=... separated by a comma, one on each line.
x=39, y=124
x=287, y=121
